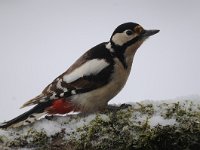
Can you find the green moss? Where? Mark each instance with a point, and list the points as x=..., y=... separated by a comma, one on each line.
x=3, y=139
x=169, y=137
x=145, y=109
x=32, y=138
x=92, y=135
x=121, y=132
x=117, y=132
x=123, y=129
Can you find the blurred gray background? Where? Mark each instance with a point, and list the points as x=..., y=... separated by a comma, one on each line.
x=40, y=39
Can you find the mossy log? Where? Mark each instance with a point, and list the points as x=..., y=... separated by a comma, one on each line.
x=147, y=125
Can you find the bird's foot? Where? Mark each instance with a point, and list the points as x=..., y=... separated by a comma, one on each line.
x=49, y=117
x=114, y=108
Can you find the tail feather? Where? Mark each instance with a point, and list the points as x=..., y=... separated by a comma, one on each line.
x=27, y=117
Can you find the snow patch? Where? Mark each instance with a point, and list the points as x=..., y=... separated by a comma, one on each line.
x=151, y=112
x=158, y=120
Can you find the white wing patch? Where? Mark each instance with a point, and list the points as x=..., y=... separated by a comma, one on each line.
x=91, y=67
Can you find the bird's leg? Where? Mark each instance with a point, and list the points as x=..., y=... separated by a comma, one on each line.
x=114, y=108
x=49, y=117
x=124, y=106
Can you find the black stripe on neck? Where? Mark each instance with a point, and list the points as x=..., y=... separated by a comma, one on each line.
x=119, y=53
x=120, y=50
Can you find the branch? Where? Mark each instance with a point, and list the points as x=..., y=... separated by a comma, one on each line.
x=151, y=125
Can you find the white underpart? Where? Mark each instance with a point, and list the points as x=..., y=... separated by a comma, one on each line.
x=98, y=98
x=91, y=67
x=108, y=46
x=122, y=38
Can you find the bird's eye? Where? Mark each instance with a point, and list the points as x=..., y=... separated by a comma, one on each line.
x=129, y=32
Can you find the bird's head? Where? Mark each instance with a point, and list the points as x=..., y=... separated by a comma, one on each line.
x=130, y=33
x=126, y=39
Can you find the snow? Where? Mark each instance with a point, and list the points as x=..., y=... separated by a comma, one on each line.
x=160, y=107
x=153, y=114
x=68, y=123
x=158, y=120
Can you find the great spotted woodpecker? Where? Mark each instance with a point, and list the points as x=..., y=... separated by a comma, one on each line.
x=94, y=79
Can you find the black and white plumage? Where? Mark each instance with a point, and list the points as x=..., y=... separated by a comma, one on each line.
x=94, y=79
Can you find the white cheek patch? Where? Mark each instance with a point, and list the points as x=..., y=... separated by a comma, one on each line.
x=121, y=38
x=91, y=67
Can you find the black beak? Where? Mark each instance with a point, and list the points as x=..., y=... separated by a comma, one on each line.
x=148, y=33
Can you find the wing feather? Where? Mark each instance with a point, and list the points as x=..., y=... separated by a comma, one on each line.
x=89, y=72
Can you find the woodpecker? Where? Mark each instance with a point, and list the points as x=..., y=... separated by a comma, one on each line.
x=94, y=79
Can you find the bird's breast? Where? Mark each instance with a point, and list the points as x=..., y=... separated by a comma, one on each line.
x=98, y=98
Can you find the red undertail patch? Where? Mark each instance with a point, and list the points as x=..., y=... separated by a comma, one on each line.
x=61, y=106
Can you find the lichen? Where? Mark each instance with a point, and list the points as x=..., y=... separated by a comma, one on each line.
x=32, y=138
x=121, y=129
